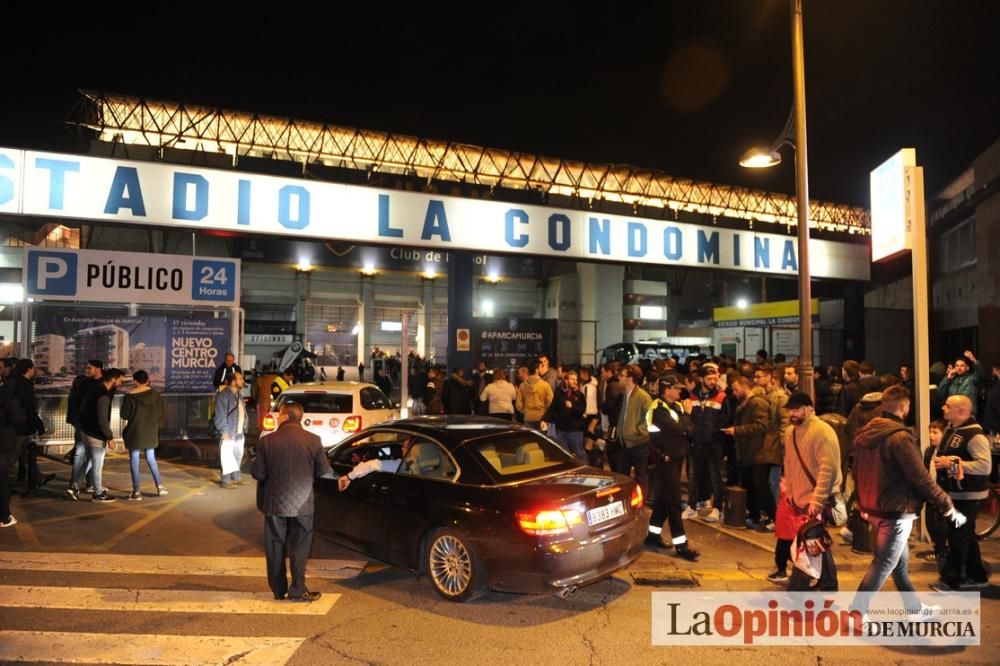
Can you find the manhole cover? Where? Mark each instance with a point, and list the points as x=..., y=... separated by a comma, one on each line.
x=665, y=579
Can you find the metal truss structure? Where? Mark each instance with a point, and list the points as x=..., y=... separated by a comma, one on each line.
x=134, y=121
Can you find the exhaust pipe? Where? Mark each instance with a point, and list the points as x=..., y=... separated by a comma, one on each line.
x=567, y=592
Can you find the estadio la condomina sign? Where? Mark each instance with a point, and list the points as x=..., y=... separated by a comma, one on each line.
x=158, y=194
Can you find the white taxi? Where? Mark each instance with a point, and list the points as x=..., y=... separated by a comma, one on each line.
x=334, y=410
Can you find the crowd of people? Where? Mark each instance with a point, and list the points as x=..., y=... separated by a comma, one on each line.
x=747, y=428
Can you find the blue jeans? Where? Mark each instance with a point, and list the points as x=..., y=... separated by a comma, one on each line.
x=95, y=452
x=81, y=462
x=150, y=462
x=892, y=557
x=573, y=442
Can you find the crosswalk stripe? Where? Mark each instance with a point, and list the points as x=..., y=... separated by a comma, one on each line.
x=155, y=650
x=160, y=601
x=254, y=567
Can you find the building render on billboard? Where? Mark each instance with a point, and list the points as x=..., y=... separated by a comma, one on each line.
x=108, y=343
x=49, y=353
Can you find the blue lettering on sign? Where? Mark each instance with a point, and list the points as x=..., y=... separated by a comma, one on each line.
x=520, y=217
x=736, y=249
x=57, y=178
x=788, y=260
x=435, y=222
x=51, y=273
x=555, y=221
x=182, y=181
x=125, y=193
x=708, y=247
x=243, y=203
x=6, y=184
x=673, y=245
x=600, y=234
x=213, y=280
x=301, y=219
x=384, y=229
x=762, y=253
x=636, y=239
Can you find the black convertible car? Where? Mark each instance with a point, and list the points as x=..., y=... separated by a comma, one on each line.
x=480, y=504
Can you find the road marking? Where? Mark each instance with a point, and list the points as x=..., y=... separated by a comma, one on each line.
x=160, y=601
x=155, y=650
x=252, y=567
x=142, y=522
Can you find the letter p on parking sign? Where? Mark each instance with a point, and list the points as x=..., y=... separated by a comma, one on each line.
x=51, y=273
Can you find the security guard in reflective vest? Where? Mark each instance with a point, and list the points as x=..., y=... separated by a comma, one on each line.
x=281, y=383
x=669, y=428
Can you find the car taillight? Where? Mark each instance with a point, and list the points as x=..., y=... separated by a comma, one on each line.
x=352, y=424
x=636, y=500
x=541, y=523
x=334, y=423
x=269, y=423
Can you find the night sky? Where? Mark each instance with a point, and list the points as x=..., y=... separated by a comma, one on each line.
x=685, y=88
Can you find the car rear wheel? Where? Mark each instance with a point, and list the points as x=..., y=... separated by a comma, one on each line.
x=454, y=567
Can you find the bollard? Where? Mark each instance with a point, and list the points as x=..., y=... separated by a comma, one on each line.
x=735, y=513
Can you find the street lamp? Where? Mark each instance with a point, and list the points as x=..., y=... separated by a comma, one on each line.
x=794, y=135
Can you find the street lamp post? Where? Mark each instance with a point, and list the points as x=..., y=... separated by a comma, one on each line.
x=758, y=158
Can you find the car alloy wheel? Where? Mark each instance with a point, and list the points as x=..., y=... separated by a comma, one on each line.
x=454, y=567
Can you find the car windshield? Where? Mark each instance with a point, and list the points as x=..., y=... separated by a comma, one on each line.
x=320, y=403
x=520, y=455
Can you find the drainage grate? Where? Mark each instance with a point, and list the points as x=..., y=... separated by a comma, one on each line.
x=665, y=578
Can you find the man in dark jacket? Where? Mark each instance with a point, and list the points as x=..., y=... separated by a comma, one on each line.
x=963, y=467
x=852, y=390
x=669, y=428
x=709, y=415
x=224, y=371
x=748, y=430
x=95, y=427
x=609, y=398
x=991, y=414
x=82, y=384
x=21, y=385
x=288, y=461
x=892, y=484
x=566, y=412
x=457, y=393
x=11, y=416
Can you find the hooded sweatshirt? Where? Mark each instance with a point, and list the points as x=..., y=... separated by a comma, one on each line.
x=143, y=409
x=891, y=479
x=534, y=396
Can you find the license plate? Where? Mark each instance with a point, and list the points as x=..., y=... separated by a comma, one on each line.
x=603, y=514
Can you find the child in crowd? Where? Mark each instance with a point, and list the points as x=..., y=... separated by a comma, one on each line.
x=937, y=525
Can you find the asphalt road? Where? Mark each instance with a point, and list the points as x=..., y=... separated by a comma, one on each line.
x=180, y=580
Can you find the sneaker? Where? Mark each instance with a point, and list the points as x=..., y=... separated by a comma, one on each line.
x=73, y=493
x=307, y=597
x=969, y=584
x=925, y=614
x=103, y=498
x=941, y=586
x=135, y=496
x=90, y=489
x=228, y=485
x=10, y=522
x=713, y=516
x=778, y=576
x=689, y=514
x=46, y=479
x=161, y=491
x=847, y=535
x=654, y=541
x=687, y=552
x=766, y=527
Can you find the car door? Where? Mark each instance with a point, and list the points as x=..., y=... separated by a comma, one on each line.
x=375, y=405
x=416, y=497
x=356, y=517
